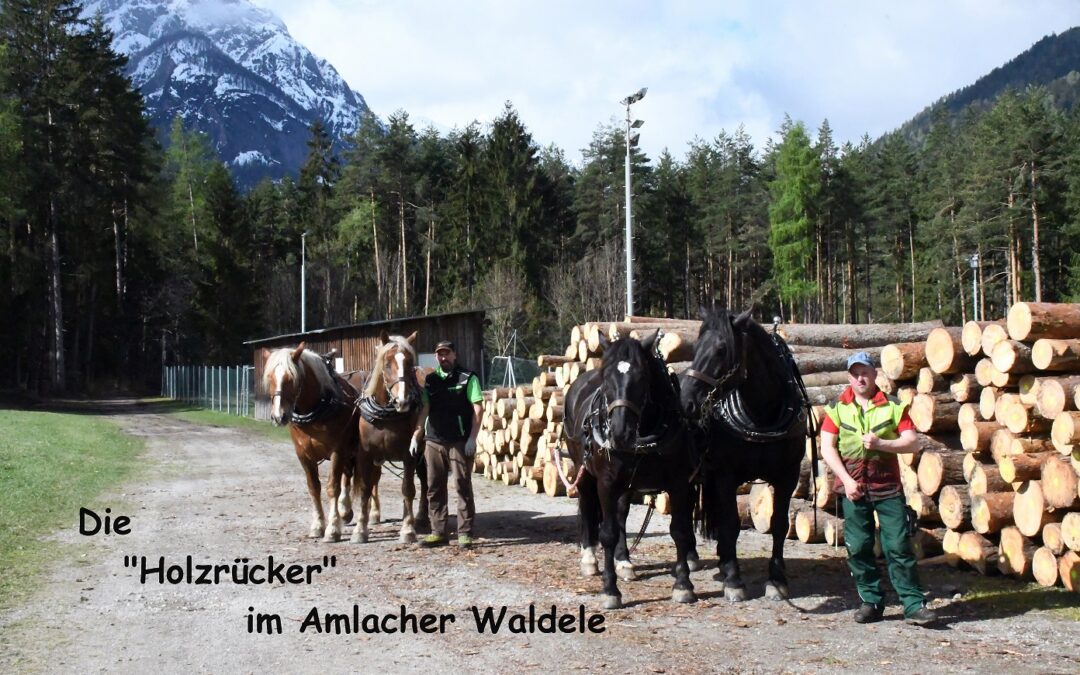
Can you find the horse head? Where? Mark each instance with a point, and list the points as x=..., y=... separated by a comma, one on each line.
x=395, y=371
x=283, y=380
x=625, y=382
x=719, y=359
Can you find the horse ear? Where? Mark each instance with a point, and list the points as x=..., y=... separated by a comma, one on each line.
x=384, y=337
x=298, y=351
x=649, y=342
x=412, y=338
x=742, y=320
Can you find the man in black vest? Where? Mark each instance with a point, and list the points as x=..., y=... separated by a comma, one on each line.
x=452, y=398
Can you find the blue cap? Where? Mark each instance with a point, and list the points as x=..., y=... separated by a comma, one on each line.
x=860, y=357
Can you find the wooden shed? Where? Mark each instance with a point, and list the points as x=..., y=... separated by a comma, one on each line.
x=356, y=344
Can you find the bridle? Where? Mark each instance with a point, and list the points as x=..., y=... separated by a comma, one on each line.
x=716, y=385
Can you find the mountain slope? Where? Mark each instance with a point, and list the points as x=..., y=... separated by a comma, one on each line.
x=231, y=70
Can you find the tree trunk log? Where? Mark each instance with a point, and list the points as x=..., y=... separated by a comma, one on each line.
x=986, y=478
x=902, y=361
x=1029, y=509
x=954, y=505
x=929, y=382
x=761, y=507
x=976, y=436
x=979, y=552
x=1069, y=570
x=551, y=360
x=856, y=336
x=553, y=485
x=965, y=388
x=1044, y=567
x=826, y=360
x=934, y=413
x=992, y=511
x=1034, y=320
x=1019, y=468
x=1065, y=433
x=945, y=351
x=1056, y=395
x=677, y=346
x=1015, y=553
x=1056, y=355
x=1010, y=356
x=992, y=334
x=971, y=336
x=1070, y=531
x=1059, y=483
x=1052, y=537
x=825, y=379
x=810, y=526
x=925, y=507
x=938, y=469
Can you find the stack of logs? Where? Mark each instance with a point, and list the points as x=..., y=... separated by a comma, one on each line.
x=996, y=405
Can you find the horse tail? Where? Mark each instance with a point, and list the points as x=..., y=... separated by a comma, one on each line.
x=707, y=510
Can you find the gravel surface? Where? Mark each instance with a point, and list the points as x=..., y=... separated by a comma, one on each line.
x=219, y=494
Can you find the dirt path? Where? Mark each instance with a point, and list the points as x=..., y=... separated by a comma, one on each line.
x=220, y=494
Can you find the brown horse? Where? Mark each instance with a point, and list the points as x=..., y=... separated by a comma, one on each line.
x=390, y=409
x=319, y=408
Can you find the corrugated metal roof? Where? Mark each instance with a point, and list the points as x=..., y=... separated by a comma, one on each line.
x=369, y=324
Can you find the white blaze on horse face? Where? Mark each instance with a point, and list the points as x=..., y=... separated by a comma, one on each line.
x=624, y=367
x=275, y=399
x=399, y=388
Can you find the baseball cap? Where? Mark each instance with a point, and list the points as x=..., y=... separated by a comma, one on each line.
x=860, y=357
x=445, y=344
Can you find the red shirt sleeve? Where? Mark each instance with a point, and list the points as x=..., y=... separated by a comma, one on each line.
x=905, y=422
x=828, y=425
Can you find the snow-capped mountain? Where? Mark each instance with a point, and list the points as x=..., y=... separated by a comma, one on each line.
x=232, y=70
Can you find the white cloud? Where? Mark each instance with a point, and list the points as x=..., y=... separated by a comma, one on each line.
x=709, y=66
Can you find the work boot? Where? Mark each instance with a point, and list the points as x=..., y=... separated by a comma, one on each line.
x=465, y=540
x=922, y=616
x=868, y=613
x=433, y=540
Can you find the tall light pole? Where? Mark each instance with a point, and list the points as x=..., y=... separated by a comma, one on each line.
x=636, y=124
x=973, y=260
x=303, y=283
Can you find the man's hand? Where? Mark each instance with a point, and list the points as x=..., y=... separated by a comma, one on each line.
x=414, y=447
x=870, y=441
x=470, y=448
x=852, y=490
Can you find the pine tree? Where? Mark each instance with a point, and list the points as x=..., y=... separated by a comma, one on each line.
x=795, y=192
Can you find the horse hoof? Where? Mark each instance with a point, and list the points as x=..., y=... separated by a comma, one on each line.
x=695, y=564
x=735, y=594
x=315, y=533
x=375, y=518
x=588, y=570
x=359, y=538
x=774, y=591
x=611, y=601
x=683, y=595
x=625, y=571
x=407, y=538
x=331, y=538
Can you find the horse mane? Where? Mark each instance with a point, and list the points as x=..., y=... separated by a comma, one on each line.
x=312, y=364
x=375, y=381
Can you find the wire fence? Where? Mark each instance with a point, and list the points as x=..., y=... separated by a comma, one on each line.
x=227, y=389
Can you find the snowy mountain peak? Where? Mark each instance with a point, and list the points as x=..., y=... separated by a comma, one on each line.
x=231, y=69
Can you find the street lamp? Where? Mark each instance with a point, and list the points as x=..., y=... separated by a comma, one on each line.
x=630, y=141
x=303, y=283
x=973, y=260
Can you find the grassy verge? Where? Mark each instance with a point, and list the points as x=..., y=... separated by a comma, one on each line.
x=1008, y=597
x=50, y=465
x=213, y=418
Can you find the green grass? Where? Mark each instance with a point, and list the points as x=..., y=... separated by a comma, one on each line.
x=51, y=464
x=213, y=418
x=1007, y=597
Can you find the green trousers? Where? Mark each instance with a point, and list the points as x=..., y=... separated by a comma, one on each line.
x=899, y=558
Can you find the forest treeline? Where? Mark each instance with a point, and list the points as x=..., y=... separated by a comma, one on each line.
x=121, y=255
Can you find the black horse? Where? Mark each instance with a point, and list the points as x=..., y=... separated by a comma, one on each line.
x=744, y=391
x=624, y=429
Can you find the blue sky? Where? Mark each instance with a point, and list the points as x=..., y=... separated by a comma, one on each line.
x=709, y=66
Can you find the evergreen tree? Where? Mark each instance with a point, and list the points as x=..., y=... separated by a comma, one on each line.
x=795, y=192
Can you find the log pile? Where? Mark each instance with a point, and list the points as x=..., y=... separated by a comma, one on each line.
x=996, y=405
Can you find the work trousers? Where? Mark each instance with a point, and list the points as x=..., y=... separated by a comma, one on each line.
x=899, y=558
x=442, y=459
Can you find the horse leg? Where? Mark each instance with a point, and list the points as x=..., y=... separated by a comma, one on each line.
x=318, y=519
x=589, y=524
x=376, y=509
x=344, y=505
x=776, y=588
x=363, y=485
x=728, y=535
x=682, y=532
x=623, y=567
x=609, y=537
x=333, y=485
x=408, y=493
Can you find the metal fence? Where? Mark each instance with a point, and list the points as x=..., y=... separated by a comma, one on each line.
x=227, y=389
